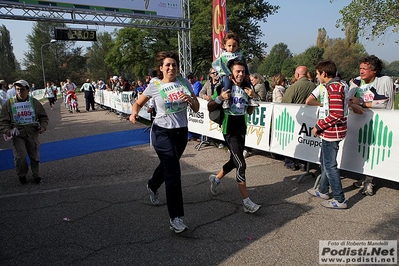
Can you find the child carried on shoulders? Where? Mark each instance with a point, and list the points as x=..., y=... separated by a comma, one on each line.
x=230, y=45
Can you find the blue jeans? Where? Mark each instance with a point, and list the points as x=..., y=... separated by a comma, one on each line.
x=330, y=176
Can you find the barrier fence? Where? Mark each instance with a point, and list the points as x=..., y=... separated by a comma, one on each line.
x=286, y=129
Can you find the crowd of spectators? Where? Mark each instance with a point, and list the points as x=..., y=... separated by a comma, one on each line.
x=372, y=90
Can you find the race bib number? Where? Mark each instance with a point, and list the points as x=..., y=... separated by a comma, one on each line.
x=171, y=96
x=238, y=101
x=368, y=96
x=24, y=113
x=364, y=93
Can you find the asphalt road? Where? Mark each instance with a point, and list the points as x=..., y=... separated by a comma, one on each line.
x=94, y=209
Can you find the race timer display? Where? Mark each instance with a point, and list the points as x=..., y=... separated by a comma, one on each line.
x=67, y=34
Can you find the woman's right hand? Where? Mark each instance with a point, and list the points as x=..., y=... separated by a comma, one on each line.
x=133, y=118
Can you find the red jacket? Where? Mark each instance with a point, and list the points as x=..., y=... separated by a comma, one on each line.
x=334, y=126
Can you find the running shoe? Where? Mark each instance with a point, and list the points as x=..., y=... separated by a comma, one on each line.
x=251, y=207
x=153, y=196
x=214, y=184
x=177, y=225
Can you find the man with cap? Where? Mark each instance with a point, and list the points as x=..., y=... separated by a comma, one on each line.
x=101, y=85
x=22, y=119
x=115, y=83
x=3, y=92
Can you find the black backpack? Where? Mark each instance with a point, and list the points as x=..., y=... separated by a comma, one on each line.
x=217, y=115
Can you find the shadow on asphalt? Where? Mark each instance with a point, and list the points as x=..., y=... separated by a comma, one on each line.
x=94, y=209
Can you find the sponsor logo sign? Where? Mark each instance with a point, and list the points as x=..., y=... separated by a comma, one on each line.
x=358, y=252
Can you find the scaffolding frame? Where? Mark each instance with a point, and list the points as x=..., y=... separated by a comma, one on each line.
x=30, y=12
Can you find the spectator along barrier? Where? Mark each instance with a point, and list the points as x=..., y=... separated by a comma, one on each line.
x=286, y=129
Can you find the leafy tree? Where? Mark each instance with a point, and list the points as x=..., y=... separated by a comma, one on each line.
x=321, y=41
x=273, y=63
x=393, y=69
x=253, y=66
x=309, y=58
x=288, y=67
x=74, y=65
x=9, y=64
x=351, y=34
x=345, y=57
x=96, y=55
x=243, y=18
x=60, y=60
x=373, y=19
x=134, y=50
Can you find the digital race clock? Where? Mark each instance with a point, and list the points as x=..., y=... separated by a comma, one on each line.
x=68, y=34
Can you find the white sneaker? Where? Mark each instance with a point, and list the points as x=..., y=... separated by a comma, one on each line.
x=153, y=196
x=251, y=207
x=214, y=184
x=316, y=193
x=177, y=225
x=334, y=204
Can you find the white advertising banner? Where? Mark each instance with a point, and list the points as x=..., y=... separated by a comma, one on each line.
x=38, y=94
x=371, y=144
x=120, y=101
x=286, y=129
x=200, y=123
x=292, y=132
x=108, y=99
x=257, y=132
x=169, y=8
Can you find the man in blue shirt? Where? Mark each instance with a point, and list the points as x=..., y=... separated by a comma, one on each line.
x=197, y=86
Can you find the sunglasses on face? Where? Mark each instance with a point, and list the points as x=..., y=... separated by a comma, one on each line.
x=20, y=89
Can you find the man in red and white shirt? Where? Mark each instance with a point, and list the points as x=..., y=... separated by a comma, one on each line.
x=331, y=127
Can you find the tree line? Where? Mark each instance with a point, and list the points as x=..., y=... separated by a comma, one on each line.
x=130, y=52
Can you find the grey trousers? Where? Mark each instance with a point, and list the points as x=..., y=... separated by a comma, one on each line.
x=26, y=146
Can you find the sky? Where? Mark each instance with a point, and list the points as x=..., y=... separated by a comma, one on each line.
x=296, y=24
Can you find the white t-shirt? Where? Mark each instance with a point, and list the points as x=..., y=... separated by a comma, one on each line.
x=170, y=113
x=383, y=86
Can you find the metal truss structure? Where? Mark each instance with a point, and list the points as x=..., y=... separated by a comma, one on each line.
x=21, y=11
